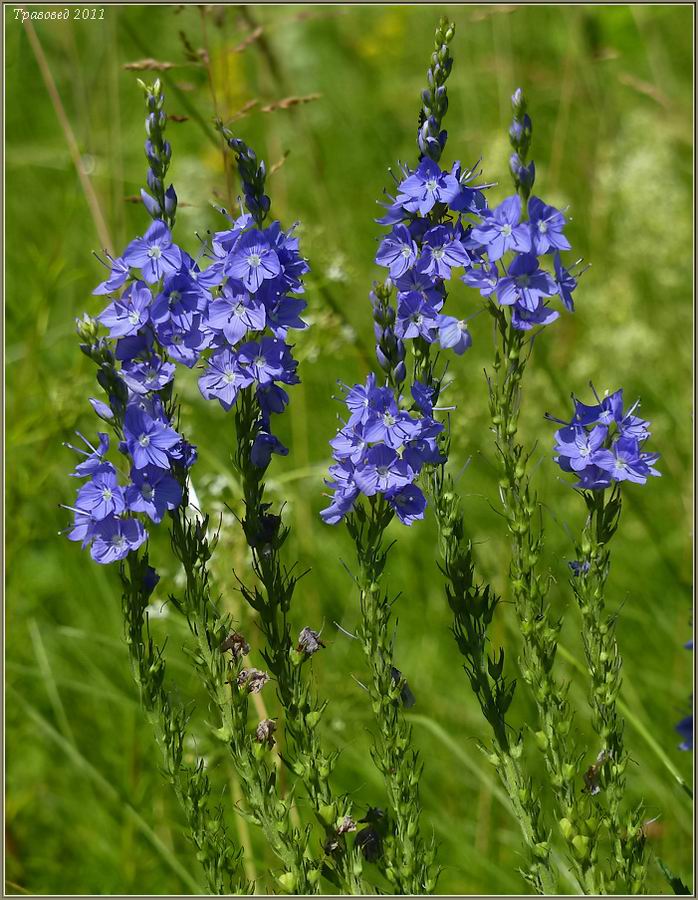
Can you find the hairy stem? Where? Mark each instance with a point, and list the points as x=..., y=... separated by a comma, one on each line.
x=407, y=861
x=221, y=861
x=628, y=861
x=539, y=630
x=473, y=606
x=228, y=692
x=287, y=662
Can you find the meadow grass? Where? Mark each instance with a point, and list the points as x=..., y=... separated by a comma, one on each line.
x=609, y=91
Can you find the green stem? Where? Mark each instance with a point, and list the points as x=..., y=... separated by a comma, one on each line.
x=628, y=861
x=306, y=757
x=473, y=607
x=540, y=632
x=230, y=699
x=221, y=861
x=407, y=862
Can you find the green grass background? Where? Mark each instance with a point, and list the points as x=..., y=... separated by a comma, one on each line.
x=610, y=94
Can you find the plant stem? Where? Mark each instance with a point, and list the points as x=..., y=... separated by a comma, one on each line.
x=221, y=861
x=229, y=693
x=540, y=632
x=407, y=862
x=628, y=862
x=266, y=535
x=473, y=607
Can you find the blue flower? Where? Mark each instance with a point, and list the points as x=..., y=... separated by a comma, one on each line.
x=264, y=444
x=127, y=316
x=268, y=360
x=222, y=379
x=184, y=345
x=397, y=251
x=153, y=491
x=525, y=284
x=426, y=187
x=524, y=319
x=101, y=496
x=114, y=538
x=149, y=440
x=500, y=230
x=566, y=283
x=144, y=377
x=416, y=317
x=441, y=251
x=546, y=227
x=580, y=446
x=484, y=278
x=408, y=502
x=235, y=313
x=118, y=275
x=454, y=334
x=602, y=444
x=94, y=456
x=179, y=301
x=253, y=260
x=625, y=462
x=154, y=253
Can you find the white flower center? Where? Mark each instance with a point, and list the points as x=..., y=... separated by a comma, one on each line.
x=118, y=540
x=107, y=494
x=259, y=360
x=406, y=251
x=134, y=317
x=437, y=252
x=155, y=252
x=506, y=230
x=229, y=376
x=431, y=184
x=144, y=440
x=175, y=297
x=254, y=260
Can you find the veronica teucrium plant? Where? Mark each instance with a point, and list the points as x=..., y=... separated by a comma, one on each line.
x=511, y=254
x=231, y=316
x=231, y=313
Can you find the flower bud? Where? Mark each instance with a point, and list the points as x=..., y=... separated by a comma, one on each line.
x=170, y=201
x=151, y=205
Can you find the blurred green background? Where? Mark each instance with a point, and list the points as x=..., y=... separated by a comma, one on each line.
x=610, y=94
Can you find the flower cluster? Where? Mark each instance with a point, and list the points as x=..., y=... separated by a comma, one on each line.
x=601, y=444
x=155, y=306
x=425, y=245
x=154, y=318
x=441, y=222
x=381, y=450
x=522, y=284
x=106, y=511
x=254, y=276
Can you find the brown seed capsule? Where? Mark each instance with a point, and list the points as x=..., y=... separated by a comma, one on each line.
x=253, y=678
x=309, y=641
x=265, y=732
x=237, y=645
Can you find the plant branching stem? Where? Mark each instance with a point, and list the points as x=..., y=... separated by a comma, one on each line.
x=407, y=862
